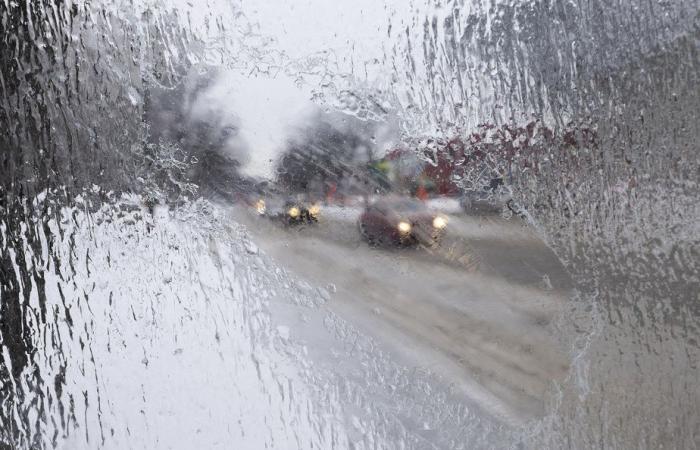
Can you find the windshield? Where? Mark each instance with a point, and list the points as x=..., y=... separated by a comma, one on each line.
x=200, y=245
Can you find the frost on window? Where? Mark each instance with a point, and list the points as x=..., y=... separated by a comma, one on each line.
x=345, y=224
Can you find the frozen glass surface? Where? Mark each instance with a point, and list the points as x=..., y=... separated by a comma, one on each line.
x=349, y=224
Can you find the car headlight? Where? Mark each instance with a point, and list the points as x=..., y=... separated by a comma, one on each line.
x=439, y=222
x=293, y=212
x=404, y=227
x=314, y=209
x=260, y=206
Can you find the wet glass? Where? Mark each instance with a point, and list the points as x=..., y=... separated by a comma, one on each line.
x=367, y=224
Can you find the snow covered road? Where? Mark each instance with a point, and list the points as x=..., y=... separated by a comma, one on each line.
x=476, y=311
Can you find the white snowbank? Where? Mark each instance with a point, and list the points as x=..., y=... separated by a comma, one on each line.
x=166, y=342
x=160, y=336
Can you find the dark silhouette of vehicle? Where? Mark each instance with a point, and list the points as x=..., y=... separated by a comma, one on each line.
x=401, y=222
x=289, y=211
x=297, y=212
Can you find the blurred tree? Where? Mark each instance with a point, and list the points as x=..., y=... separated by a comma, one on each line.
x=208, y=140
x=326, y=156
x=71, y=89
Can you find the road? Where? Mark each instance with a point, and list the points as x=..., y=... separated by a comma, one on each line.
x=474, y=310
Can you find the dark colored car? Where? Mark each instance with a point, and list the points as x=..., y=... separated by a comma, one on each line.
x=401, y=221
x=299, y=212
x=288, y=211
x=267, y=200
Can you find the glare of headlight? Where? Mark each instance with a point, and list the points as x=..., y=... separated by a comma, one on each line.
x=260, y=206
x=404, y=227
x=293, y=212
x=315, y=209
x=439, y=222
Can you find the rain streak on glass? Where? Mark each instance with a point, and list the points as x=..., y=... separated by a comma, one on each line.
x=367, y=224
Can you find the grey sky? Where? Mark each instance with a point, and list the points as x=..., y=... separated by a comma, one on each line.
x=267, y=106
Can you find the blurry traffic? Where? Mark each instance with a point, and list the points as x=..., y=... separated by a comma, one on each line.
x=419, y=240
x=400, y=192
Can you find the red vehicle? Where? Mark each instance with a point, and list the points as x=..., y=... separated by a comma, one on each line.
x=401, y=222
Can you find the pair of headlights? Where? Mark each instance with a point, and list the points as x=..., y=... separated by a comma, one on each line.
x=439, y=223
x=294, y=211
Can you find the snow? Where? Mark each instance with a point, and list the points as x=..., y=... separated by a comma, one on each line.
x=170, y=341
x=447, y=205
x=251, y=248
x=171, y=334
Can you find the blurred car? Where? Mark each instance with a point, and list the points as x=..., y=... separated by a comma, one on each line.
x=267, y=200
x=289, y=211
x=401, y=222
